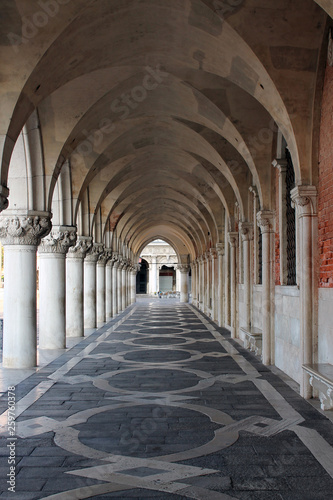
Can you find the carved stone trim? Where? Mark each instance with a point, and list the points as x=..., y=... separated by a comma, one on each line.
x=80, y=249
x=233, y=239
x=213, y=253
x=60, y=239
x=94, y=252
x=183, y=268
x=220, y=249
x=305, y=200
x=265, y=220
x=24, y=229
x=246, y=231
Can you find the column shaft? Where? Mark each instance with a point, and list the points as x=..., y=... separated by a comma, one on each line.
x=108, y=291
x=100, y=292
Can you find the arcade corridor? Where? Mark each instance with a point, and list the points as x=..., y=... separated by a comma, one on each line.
x=160, y=403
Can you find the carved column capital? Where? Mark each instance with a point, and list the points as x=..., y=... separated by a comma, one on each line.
x=80, y=249
x=213, y=253
x=4, y=193
x=103, y=258
x=281, y=164
x=60, y=239
x=233, y=239
x=246, y=231
x=27, y=229
x=94, y=252
x=265, y=220
x=220, y=249
x=183, y=268
x=304, y=199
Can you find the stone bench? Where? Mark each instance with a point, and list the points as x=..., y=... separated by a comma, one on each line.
x=252, y=339
x=321, y=378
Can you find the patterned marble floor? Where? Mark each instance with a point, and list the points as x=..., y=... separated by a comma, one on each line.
x=161, y=404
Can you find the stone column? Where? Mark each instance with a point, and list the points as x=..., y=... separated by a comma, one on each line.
x=201, y=285
x=233, y=239
x=133, y=274
x=205, y=282
x=74, y=287
x=20, y=235
x=183, y=283
x=194, y=285
x=115, y=309
x=124, y=287
x=214, y=292
x=52, y=286
x=89, y=295
x=305, y=200
x=153, y=275
x=246, y=230
x=108, y=286
x=265, y=220
x=119, y=283
x=281, y=165
x=101, y=289
x=220, y=284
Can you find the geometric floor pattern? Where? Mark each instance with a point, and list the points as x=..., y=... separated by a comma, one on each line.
x=162, y=404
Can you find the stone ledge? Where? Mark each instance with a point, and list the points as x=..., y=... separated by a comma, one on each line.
x=252, y=338
x=321, y=379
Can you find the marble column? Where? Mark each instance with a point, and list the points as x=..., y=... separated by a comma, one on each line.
x=205, y=283
x=246, y=231
x=265, y=220
x=214, y=287
x=108, y=286
x=21, y=234
x=89, y=294
x=133, y=274
x=119, y=283
x=74, y=287
x=305, y=200
x=193, y=288
x=183, y=269
x=124, y=287
x=201, y=283
x=52, y=286
x=101, y=289
x=115, y=309
x=233, y=239
x=220, y=284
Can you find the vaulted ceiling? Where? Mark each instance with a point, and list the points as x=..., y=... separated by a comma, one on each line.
x=157, y=116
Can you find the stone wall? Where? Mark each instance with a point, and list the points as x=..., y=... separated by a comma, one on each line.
x=287, y=331
x=256, y=306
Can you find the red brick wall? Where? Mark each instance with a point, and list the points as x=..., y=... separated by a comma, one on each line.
x=326, y=184
x=277, y=232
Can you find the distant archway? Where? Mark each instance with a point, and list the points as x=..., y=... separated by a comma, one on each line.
x=142, y=278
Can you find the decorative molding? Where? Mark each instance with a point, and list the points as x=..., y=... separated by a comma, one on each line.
x=246, y=231
x=213, y=253
x=305, y=199
x=265, y=220
x=330, y=49
x=281, y=164
x=4, y=193
x=60, y=239
x=80, y=249
x=233, y=238
x=24, y=229
x=183, y=268
x=94, y=252
x=220, y=249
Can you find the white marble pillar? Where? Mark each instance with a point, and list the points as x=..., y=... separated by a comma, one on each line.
x=52, y=286
x=153, y=276
x=205, y=283
x=74, y=287
x=108, y=287
x=201, y=285
x=305, y=200
x=133, y=274
x=124, y=287
x=183, y=269
x=193, y=287
x=20, y=235
x=89, y=304
x=246, y=230
x=233, y=239
x=101, y=289
x=220, y=284
x=119, y=284
x=214, y=282
x=266, y=222
x=115, y=309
